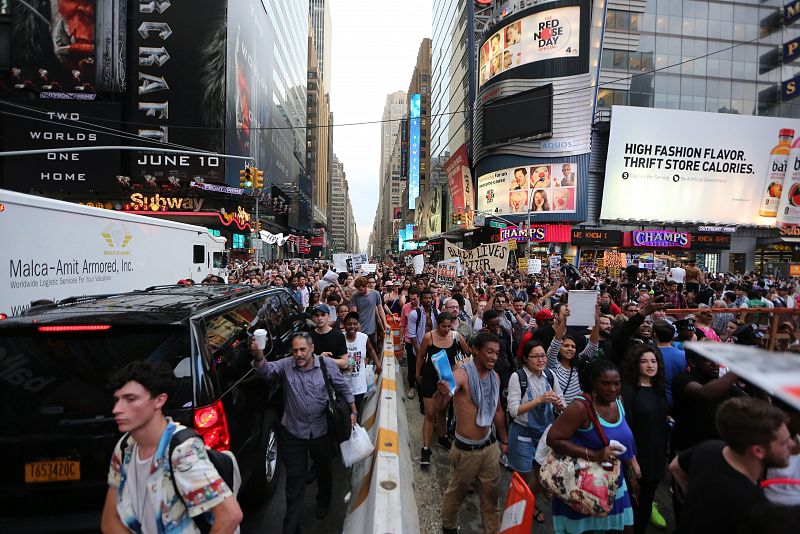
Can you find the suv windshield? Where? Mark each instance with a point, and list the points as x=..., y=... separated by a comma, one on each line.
x=65, y=375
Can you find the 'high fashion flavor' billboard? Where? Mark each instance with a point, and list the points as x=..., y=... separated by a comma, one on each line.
x=713, y=168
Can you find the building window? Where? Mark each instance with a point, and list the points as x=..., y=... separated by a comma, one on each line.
x=608, y=97
x=622, y=21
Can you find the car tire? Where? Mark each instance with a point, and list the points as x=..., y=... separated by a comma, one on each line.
x=264, y=481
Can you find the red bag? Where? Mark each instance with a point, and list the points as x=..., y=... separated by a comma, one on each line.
x=518, y=515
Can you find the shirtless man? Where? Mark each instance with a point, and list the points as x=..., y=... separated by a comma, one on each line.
x=474, y=456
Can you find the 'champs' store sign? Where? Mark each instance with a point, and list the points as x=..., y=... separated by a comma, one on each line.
x=661, y=239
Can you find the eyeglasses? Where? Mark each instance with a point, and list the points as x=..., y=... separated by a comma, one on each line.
x=538, y=356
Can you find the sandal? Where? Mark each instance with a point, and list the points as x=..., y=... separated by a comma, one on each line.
x=538, y=515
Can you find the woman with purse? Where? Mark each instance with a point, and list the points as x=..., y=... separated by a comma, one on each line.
x=589, y=441
x=645, y=404
x=533, y=398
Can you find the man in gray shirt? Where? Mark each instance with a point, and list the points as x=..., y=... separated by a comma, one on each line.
x=369, y=305
x=305, y=427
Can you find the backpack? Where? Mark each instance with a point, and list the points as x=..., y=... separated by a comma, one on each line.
x=523, y=379
x=224, y=462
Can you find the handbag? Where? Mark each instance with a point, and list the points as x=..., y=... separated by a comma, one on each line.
x=586, y=486
x=338, y=410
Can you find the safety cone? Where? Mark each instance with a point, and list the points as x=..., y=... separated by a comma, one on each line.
x=518, y=515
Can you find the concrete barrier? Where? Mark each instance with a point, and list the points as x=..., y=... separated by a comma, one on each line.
x=383, y=499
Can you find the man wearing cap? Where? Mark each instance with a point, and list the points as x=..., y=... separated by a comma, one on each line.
x=328, y=341
x=544, y=332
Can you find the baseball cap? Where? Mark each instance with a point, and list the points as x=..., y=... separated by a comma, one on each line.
x=388, y=283
x=543, y=315
x=320, y=308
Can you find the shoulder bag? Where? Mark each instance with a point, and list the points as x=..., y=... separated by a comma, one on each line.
x=338, y=411
x=586, y=486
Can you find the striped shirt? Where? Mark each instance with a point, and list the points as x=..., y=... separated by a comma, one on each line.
x=568, y=377
x=305, y=397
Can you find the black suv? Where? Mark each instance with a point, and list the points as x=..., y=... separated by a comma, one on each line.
x=55, y=360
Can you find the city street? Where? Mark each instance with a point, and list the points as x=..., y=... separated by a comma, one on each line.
x=269, y=518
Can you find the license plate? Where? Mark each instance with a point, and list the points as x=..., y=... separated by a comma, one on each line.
x=52, y=471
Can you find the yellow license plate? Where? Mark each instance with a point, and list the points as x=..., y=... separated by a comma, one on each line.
x=52, y=471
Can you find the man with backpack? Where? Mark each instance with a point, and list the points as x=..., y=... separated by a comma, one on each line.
x=158, y=460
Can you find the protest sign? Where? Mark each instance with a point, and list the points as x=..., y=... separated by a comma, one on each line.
x=535, y=266
x=554, y=262
x=446, y=273
x=367, y=268
x=481, y=258
x=522, y=265
x=340, y=262
x=582, y=308
x=777, y=373
x=419, y=263
x=358, y=260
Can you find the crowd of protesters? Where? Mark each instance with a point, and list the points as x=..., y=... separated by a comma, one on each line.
x=519, y=366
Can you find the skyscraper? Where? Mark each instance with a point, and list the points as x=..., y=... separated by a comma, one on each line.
x=393, y=111
x=320, y=13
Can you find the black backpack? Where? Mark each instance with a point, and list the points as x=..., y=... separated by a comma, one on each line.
x=224, y=463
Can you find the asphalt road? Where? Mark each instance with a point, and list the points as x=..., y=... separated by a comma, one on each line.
x=269, y=518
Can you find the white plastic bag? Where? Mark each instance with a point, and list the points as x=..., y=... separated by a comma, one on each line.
x=357, y=447
x=542, y=449
x=369, y=373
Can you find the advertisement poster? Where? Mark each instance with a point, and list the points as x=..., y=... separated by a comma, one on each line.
x=482, y=258
x=71, y=172
x=538, y=188
x=428, y=214
x=177, y=60
x=459, y=178
x=413, y=150
x=713, y=168
x=544, y=35
x=66, y=49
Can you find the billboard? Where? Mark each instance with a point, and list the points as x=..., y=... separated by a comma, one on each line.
x=178, y=61
x=550, y=34
x=712, y=168
x=459, y=178
x=501, y=118
x=428, y=214
x=413, y=150
x=66, y=49
x=541, y=188
x=56, y=127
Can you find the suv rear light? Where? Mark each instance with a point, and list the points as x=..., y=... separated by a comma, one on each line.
x=75, y=328
x=211, y=424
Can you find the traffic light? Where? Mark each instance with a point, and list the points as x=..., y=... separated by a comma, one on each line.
x=246, y=178
x=258, y=183
x=458, y=218
x=258, y=226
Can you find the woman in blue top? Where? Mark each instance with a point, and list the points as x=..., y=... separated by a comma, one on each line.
x=573, y=435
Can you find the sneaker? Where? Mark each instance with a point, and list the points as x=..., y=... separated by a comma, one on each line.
x=444, y=443
x=411, y=393
x=425, y=458
x=656, y=519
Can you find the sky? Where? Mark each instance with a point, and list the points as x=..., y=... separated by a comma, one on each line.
x=374, y=51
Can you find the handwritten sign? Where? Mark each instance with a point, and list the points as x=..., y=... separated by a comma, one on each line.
x=482, y=258
x=446, y=273
x=535, y=266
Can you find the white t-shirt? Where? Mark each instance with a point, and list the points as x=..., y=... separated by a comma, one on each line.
x=356, y=374
x=785, y=494
x=677, y=274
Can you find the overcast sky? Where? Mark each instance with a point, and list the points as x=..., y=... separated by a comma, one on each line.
x=375, y=48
